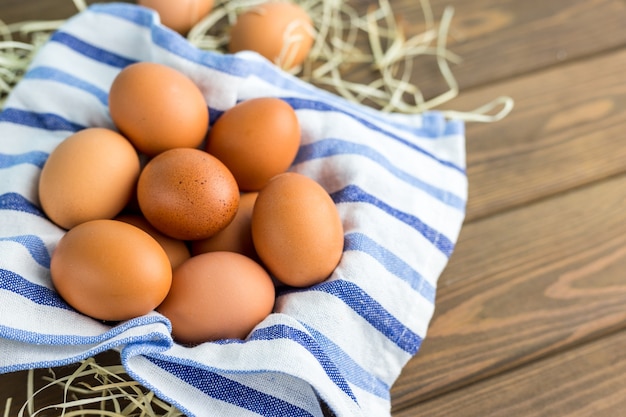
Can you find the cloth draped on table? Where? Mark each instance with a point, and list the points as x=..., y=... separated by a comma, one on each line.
x=398, y=181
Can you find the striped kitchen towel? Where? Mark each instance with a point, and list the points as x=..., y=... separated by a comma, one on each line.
x=398, y=181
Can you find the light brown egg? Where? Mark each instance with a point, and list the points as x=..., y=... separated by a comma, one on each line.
x=110, y=270
x=158, y=108
x=236, y=237
x=90, y=175
x=180, y=15
x=217, y=295
x=281, y=31
x=296, y=230
x=256, y=139
x=187, y=194
x=176, y=250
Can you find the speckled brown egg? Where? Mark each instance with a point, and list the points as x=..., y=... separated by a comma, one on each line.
x=217, y=295
x=296, y=230
x=281, y=31
x=237, y=236
x=179, y=15
x=256, y=139
x=187, y=194
x=90, y=175
x=176, y=250
x=110, y=270
x=158, y=108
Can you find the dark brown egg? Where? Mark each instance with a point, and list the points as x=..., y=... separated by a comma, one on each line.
x=187, y=194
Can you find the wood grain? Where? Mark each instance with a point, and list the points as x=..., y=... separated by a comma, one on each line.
x=586, y=381
x=524, y=284
x=563, y=133
x=13, y=11
x=530, y=317
x=503, y=39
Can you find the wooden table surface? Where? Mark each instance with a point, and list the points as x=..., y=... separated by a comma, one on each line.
x=530, y=314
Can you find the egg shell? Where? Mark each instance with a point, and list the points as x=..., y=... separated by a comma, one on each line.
x=110, y=270
x=256, y=139
x=296, y=230
x=217, y=295
x=176, y=250
x=237, y=236
x=158, y=108
x=187, y=194
x=179, y=15
x=90, y=175
x=281, y=31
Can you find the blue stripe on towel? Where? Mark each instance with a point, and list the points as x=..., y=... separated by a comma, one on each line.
x=320, y=106
x=285, y=332
x=14, y=201
x=34, y=245
x=36, y=158
x=391, y=262
x=306, y=341
x=368, y=308
x=354, y=194
x=371, y=310
x=38, y=294
x=354, y=373
x=86, y=49
x=53, y=74
x=331, y=147
x=229, y=391
x=47, y=121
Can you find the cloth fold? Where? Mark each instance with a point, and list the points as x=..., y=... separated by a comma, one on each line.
x=398, y=181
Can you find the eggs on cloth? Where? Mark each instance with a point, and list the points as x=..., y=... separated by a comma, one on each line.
x=280, y=30
x=198, y=223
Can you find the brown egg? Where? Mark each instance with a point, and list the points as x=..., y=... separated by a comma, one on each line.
x=256, y=139
x=110, y=270
x=296, y=230
x=158, y=108
x=180, y=15
x=90, y=175
x=236, y=237
x=187, y=194
x=176, y=250
x=281, y=31
x=217, y=295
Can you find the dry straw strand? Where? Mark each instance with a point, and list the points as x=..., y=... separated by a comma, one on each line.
x=108, y=388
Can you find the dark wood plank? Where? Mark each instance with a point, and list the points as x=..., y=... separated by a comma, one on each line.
x=506, y=38
x=585, y=381
x=12, y=11
x=522, y=285
x=563, y=133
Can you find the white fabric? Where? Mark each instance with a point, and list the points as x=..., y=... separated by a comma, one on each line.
x=398, y=181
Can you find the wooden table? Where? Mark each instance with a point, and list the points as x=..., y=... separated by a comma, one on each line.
x=530, y=317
